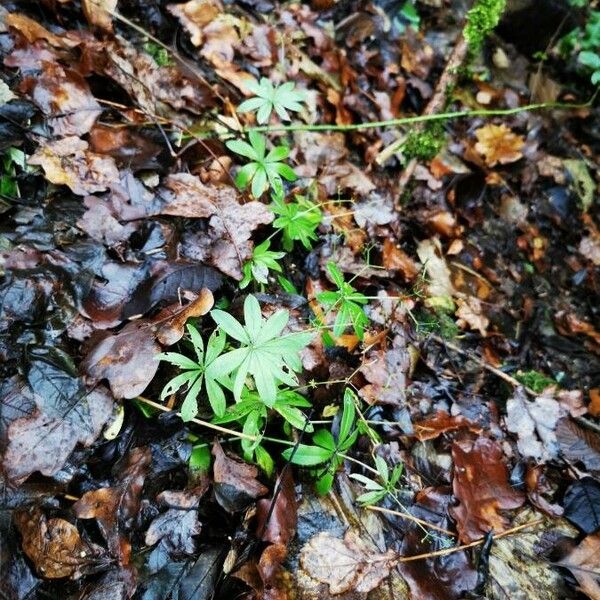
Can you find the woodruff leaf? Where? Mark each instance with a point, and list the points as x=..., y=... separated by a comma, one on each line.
x=268, y=98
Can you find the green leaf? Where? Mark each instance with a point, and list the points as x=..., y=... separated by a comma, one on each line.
x=264, y=460
x=307, y=456
x=189, y=408
x=200, y=458
x=230, y=325
x=370, y=498
x=348, y=415
x=324, y=439
x=324, y=483
x=269, y=98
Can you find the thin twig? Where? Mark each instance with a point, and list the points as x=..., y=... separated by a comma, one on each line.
x=410, y=517
x=445, y=551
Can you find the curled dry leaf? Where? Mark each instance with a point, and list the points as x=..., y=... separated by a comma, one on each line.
x=127, y=360
x=55, y=547
x=65, y=98
x=346, y=565
x=119, y=503
x=171, y=320
x=481, y=485
x=69, y=162
x=498, y=144
x=235, y=480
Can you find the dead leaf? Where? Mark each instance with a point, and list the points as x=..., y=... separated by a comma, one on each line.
x=127, y=360
x=69, y=162
x=578, y=443
x=534, y=422
x=194, y=16
x=99, y=13
x=469, y=313
x=584, y=563
x=395, y=259
x=65, y=98
x=442, y=422
x=65, y=415
x=594, y=406
x=32, y=31
x=498, y=144
x=348, y=565
x=235, y=480
x=186, y=196
x=277, y=524
x=481, y=485
x=440, y=284
x=112, y=506
x=227, y=245
x=172, y=319
x=177, y=526
x=55, y=546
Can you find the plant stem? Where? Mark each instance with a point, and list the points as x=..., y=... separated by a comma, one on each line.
x=420, y=118
x=410, y=517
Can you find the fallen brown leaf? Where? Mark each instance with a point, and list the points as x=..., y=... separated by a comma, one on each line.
x=99, y=13
x=584, y=563
x=55, y=547
x=442, y=422
x=481, y=485
x=69, y=162
x=277, y=524
x=348, y=565
x=498, y=144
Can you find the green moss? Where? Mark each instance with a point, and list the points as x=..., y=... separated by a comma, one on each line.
x=534, y=380
x=425, y=144
x=481, y=20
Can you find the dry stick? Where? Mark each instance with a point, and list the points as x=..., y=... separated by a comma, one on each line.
x=435, y=105
x=404, y=559
x=410, y=518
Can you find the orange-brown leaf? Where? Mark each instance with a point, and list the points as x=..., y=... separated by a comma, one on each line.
x=498, y=144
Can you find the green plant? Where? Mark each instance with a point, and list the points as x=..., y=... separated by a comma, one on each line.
x=377, y=491
x=326, y=449
x=197, y=373
x=347, y=302
x=268, y=98
x=11, y=159
x=407, y=16
x=252, y=413
x=585, y=44
x=297, y=220
x=266, y=355
x=264, y=170
x=482, y=18
x=258, y=266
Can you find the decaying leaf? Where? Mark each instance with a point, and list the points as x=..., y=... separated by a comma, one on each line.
x=582, y=504
x=127, y=360
x=170, y=322
x=69, y=162
x=112, y=506
x=498, y=144
x=66, y=414
x=65, y=98
x=470, y=314
x=55, y=546
x=99, y=13
x=578, y=443
x=194, y=16
x=442, y=422
x=351, y=564
x=481, y=485
x=440, y=284
x=534, y=423
x=186, y=196
x=177, y=526
x=584, y=563
x=277, y=524
x=235, y=480
x=32, y=31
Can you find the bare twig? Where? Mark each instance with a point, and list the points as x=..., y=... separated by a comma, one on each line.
x=410, y=517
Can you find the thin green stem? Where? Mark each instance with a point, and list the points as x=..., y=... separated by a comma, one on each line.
x=420, y=118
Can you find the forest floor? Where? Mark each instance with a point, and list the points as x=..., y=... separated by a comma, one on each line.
x=263, y=336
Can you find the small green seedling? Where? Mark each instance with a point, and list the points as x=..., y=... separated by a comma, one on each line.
x=297, y=220
x=268, y=98
x=257, y=268
x=264, y=170
x=266, y=355
x=347, y=302
x=378, y=490
x=326, y=450
x=197, y=373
